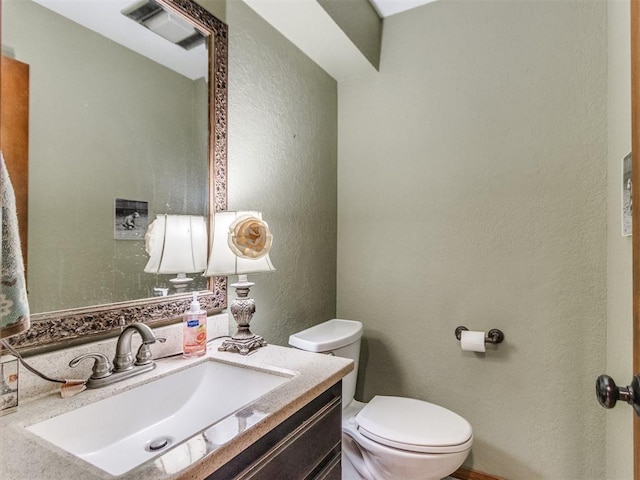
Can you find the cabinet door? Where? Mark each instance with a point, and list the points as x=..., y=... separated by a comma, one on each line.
x=303, y=453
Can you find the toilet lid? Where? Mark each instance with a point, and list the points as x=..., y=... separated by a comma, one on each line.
x=413, y=425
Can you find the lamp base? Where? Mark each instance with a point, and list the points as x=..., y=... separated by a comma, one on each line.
x=242, y=308
x=180, y=279
x=181, y=282
x=242, y=346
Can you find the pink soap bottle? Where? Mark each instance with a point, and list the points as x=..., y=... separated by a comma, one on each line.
x=194, y=330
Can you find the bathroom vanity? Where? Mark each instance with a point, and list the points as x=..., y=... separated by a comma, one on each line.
x=292, y=431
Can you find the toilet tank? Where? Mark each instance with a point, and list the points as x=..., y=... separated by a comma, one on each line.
x=338, y=337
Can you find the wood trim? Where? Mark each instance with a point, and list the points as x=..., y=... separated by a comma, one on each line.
x=635, y=178
x=467, y=474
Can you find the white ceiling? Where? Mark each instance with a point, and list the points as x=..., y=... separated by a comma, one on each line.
x=104, y=17
x=308, y=26
x=386, y=8
x=326, y=43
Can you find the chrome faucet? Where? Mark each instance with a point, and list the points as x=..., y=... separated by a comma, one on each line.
x=124, y=360
x=124, y=363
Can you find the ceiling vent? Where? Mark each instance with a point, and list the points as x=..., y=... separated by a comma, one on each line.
x=168, y=25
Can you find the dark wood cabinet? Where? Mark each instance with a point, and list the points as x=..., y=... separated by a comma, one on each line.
x=306, y=446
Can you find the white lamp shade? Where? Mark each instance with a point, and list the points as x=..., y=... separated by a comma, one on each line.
x=222, y=259
x=177, y=244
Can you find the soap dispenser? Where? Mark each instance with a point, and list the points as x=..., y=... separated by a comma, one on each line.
x=194, y=330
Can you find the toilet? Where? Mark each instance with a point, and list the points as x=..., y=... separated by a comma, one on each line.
x=389, y=438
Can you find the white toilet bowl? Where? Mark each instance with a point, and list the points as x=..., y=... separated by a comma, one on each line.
x=376, y=457
x=389, y=438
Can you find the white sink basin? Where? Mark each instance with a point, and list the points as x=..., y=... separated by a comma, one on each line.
x=117, y=434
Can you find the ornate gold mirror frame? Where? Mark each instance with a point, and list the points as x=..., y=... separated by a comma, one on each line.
x=63, y=328
x=635, y=222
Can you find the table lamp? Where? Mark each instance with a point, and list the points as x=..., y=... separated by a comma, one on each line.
x=240, y=246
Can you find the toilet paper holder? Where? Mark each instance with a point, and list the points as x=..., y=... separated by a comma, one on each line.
x=493, y=336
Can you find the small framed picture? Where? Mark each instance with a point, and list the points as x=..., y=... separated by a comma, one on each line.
x=627, y=206
x=130, y=219
x=9, y=385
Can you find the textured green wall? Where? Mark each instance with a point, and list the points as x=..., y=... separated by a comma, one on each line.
x=619, y=264
x=282, y=161
x=472, y=191
x=360, y=22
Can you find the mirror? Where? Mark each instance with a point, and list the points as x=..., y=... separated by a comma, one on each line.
x=114, y=133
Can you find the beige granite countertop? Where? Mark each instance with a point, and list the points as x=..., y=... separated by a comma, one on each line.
x=25, y=456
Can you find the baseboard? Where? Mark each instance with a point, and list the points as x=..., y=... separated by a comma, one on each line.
x=466, y=474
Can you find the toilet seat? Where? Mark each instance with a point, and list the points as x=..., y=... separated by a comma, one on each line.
x=413, y=425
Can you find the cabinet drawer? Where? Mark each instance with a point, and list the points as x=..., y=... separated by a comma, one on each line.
x=303, y=453
x=305, y=446
x=333, y=468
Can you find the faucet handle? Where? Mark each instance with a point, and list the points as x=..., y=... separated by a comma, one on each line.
x=144, y=356
x=101, y=368
x=154, y=339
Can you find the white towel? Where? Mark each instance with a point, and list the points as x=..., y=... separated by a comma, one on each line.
x=14, y=307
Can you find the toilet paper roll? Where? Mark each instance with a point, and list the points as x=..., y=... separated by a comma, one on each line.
x=472, y=341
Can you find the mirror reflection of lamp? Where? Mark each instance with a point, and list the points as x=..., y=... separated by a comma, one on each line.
x=177, y=244
x=240, y=246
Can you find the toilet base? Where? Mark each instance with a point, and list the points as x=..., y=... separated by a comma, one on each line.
x=348, y=472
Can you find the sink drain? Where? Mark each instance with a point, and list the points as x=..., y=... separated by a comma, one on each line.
x=158, y=444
